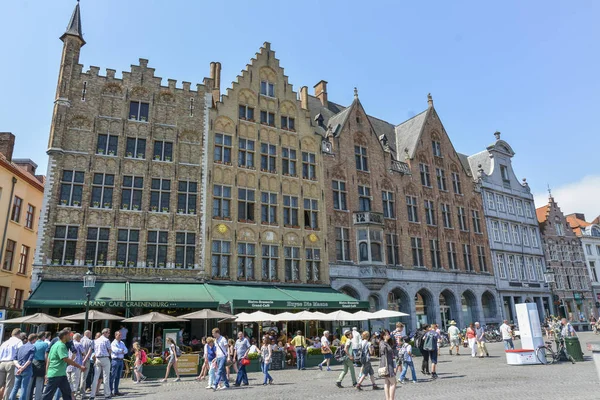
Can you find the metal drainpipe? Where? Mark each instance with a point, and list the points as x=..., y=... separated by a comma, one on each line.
x=12, y=192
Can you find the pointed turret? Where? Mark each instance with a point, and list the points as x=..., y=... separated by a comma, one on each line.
x=74, y=26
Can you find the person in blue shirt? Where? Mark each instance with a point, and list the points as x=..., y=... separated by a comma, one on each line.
x=24, y=371
x=39, y=366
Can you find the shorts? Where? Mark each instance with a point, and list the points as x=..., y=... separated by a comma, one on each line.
x=367, y=368
x=433, y=356
x=455, y=342
x=328, y=356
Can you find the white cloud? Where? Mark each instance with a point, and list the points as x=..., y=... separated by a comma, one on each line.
x=582, y=196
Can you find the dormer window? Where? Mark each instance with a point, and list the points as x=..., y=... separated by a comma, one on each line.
x=504, y=173
x=437, y=148
x=267, y=88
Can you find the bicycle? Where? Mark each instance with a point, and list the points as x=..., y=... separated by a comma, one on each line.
x=547, y=356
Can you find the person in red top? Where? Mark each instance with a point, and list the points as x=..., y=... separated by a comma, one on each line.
x=472, y=339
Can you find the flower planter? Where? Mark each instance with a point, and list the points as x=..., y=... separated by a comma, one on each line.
x=314, y=360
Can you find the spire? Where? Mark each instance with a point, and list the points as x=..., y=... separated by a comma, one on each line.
x=74, y=27
x=355, y=93
x=550, y=194
x=429, y=100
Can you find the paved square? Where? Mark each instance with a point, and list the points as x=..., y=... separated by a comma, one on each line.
x=459, y=378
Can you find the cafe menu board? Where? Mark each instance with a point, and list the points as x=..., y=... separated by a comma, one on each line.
x=277, y=360
x=187, y=364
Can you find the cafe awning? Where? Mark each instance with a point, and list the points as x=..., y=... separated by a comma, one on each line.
x=71, y=294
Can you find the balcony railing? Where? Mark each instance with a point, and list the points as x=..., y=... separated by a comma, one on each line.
x=367, y=217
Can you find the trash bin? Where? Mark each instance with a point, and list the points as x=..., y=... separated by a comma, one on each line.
x=574, y=348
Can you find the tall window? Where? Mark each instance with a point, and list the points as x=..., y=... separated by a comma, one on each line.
x=291, y=257
x=246, y=205
x=267, y=118
x=311, y=214
x=96, y=246
x=521, y=268
x=496, y=231
x=506, y=232
x=268, y=208
x=429, y=212
x=452, y=260
x=71, y=188
x=364, y=198
x=290, y=211
x=447, y=216
x=160, y=194
x=530, y=268
x=441, y=179
x=434, y=252
x=456, y=183
x=246, y=153
x=267, y=88
x=416, y=245
x=246, y=259
x=467, y=257
x=107, y=144
x=516, y=231
x=360, y=156
x=491, y=202
x=187, y=195
x=15, y=214
x=392, y=249
x=221, y=202
x=504, y=173
x=525, y=235
x=156, y=249
x=339, y=195
x=131, y=192
x=313, y=265
x=185, y=249
x=222, y=152
x=309, y=166
x=500, y=203
x=462, y=219
x=135, y=148
x=30, y=216
x=370, y=245
x=23, y=260
x=3, y=295
x=519, y=207
x=528, y=212
x=65, y=242
x=501, y=267
x=128, y=244
x=388, y=204
x=102, y=191
x=246, y=113
x=476, y=221
x=425, y=177
x=412, y=208
x=138, y=111
x=510, y=205
x=9, y=255
x=560, y=231
x=220, y=258
x=270, y=255
x=512, y=271
x=163, y=151
x=268, y=157
x=540, y=269
x=288, y=161
x=288, y=123
x=19, y=293
x=342, y=244
x=481, y=258
x=437, y=148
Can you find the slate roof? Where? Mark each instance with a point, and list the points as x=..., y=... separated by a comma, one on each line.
x=74, y=26
x=407, y=133
x=464, y=160
x=483, y=159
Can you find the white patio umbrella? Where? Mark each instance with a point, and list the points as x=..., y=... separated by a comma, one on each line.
x=304, y=316
x=205, y=315
x=388, y=314
x=93, y=316
x=154, y=318
x=363, y=316
x=38, y=319
x=257, y=316
x=337, y=316
x=285, y=316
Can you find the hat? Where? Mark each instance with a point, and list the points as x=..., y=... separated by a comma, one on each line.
x=453, y=322
x=347, y=331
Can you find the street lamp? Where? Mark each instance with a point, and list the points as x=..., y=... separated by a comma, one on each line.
x=89, y=282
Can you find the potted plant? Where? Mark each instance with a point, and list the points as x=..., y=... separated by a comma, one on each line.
x=140, y=155
x=120, y=263
x=100, y=151
x=55, y=261
x=76, y=203
x=179, y=265
x=111, y=152
x=129, y=154
x=131, y=263
x=154, y=208
x=157, y=157
x=125, y=206
x=180, y=211
x=151, y=264
x=161, y=265
x=143, y=119
x=167, y=158
x=107, y=205
x=63, y=202
x=68, y=262
x=89, y=263
x=96, y=204
x=191, y=211
x=165, y=209
x=136, y=207
x=132, y=116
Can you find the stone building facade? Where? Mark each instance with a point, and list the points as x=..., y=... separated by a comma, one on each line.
x=567, y=270
x=405, y=214
x=513, y=231
x=265, y=208
x=124, y=183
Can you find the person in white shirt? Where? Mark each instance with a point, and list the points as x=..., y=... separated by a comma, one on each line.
x=8, y=357
x=102, y=350
x=454, y=336
x=405, y=355
x=567, y=329
x=326, y=351
x=355, y=344
x=366, y=369
x=222, y=359
x=507, y=337
x=118, y=351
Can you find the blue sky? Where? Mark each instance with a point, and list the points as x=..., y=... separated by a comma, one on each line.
x=528, y=69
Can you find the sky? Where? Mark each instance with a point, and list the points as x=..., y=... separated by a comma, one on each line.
x=527, y=69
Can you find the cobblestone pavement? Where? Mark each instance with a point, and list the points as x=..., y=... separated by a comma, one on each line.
x=459, y=377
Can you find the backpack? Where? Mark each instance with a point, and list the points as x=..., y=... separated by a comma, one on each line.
x=402, y=353
x=430, y=342
x=177, y=351
x=364, y=353
x=143, y=357
x=340, y=354
x=419, y=339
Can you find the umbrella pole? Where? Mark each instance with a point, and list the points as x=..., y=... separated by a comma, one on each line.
x=153, y=326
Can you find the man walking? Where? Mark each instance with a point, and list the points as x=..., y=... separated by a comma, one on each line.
x=299, y=343
x=567, y=329
x=348, y=361
x=8, y=355
x=73, y=373
x=241, y=350
x=506, y=332
x=431, y=346
x=102, y=351
x=87, y=345
x=454, y=336
x=355, y=345
x=117, y=353
x=56, y=375
x=480, y=337
x=222, y=359
x=24, y=368
x=39, y=367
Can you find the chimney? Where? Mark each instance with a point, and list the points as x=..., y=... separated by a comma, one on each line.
x=304, y=97
x=215, y=75
x=7, y=144
x=26, y=164
x=321, y=92
x=578, y=216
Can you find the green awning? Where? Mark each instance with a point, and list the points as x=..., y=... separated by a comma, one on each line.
x=283, y=297
x=170, y=295
x=72, y=294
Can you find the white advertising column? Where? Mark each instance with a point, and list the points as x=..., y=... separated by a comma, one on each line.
x=529, y=326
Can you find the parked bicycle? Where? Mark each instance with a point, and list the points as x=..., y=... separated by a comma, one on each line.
x=546, y=355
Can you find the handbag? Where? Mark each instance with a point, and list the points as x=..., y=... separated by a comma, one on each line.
x=245, y=361
x=383, y=372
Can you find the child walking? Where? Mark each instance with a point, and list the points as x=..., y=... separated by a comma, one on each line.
x=140, y=359
x=405, y=354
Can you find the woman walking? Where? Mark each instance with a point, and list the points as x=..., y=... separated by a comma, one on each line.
x=472, y=339
x=326, y=351
x=140, y=358
x=386, y=365
x=266, y=351
x=172, y=360
x=210, y=362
